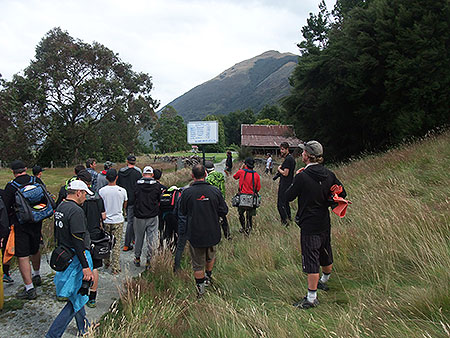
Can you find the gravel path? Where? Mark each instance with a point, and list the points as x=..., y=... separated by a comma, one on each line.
x=33, y=318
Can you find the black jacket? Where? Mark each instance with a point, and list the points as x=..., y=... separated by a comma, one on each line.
x=203, y=203
x=312, y=186
x=4, y=219
x=147, y=197
x=127, y=179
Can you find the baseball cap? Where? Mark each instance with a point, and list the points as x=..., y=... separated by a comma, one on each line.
x=131, y=158
x=209, y=165
x=312, y=147
x=108, y=164
x=79, y=185
x=250, y=162
x=17, y=164
x=111, y=174
x=37, y=169
x=148, y=170
x=85, y=176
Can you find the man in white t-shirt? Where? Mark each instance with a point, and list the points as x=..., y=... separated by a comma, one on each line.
x=269, y=164
x=115, y=199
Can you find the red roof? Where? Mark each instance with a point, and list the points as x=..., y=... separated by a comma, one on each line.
x=253, y=135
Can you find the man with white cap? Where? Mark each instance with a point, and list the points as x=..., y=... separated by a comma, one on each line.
x=312, y=187
x=71, y=232
x=146, y=210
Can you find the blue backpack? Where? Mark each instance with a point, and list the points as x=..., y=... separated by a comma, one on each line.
x=32, y=202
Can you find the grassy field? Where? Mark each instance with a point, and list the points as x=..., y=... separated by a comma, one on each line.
x=391, y=277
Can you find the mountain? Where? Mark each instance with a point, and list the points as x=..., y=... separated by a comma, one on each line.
x=252, y=83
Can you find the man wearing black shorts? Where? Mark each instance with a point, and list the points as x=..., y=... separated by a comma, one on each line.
x=27, y=236
x=312, y=187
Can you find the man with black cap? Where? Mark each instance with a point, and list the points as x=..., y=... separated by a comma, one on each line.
x=101, y=177
x=312, y=187
x=128, y=177
x=286, y=174
x=202, y=204
x=27, y=236
x=249, y=183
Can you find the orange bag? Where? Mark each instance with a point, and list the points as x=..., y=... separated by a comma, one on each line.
x=342, y=204
x=10, y=246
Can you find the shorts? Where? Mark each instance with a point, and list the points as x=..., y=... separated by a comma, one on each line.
x=201, y=256
x=316, y=251
x=97, y=263
x=27, y=239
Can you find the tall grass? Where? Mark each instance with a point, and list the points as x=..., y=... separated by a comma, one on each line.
x=391, y=276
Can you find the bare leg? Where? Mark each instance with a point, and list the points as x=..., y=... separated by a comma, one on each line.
x=327, y=269
x=36, y=260
x=313, y=279
x=25, y=269
x=95, y=285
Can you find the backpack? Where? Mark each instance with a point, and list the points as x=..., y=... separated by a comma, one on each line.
x=218, y=180
x=32, y=202
x=169, y=199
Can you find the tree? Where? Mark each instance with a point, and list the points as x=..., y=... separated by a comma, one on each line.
x=232, y=123
x=267, y=122
x=275, y=113
x=72, y=90
x=170, y=132
x=382, y=77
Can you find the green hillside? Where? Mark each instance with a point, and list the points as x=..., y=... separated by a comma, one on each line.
x=391, y=277
x=253, y=83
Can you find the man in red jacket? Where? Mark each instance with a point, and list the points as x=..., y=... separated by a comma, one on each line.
x=249, y=183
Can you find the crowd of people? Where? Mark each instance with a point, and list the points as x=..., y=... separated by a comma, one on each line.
x=90, y=207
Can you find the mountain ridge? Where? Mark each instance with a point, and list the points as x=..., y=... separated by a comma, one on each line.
x=252, y=83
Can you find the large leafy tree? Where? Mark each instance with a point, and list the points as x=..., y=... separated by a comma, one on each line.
x=170, y=132
x=82, y=99
x=382, y=77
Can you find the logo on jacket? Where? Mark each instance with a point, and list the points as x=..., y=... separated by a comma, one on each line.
x=203, y=198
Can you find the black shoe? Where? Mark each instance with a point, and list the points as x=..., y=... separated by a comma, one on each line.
x=24, y=294
x=305, y=304
x=200, y=289
x=322, y=286
x=37, y=281
x=137, y=262
x=208, y=281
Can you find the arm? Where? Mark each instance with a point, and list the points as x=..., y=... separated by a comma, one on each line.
x=282, y=171
x=295, y=189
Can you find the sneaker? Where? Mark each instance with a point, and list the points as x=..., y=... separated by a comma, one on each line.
x=137, y=262
x=37, y=281
x=200, y=289
x=24, y=294
x=7, y=279
x=148, y=265
x=322, y=286
x=61, y=299
x=127, y=248
x=305, y=304
x=208, y=281
x=91, y=303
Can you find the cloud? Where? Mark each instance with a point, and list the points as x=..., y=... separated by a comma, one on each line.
x=181, y=44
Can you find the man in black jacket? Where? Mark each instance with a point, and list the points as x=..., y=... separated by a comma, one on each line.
x=286, y=173
x=203, y=204
x=146, y=210
x=312, y=187
x=128, y=177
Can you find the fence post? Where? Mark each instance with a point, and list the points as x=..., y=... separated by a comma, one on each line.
x=51, y=164
x=66, y=165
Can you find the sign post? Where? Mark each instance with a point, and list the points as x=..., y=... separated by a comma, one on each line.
x=203, y=132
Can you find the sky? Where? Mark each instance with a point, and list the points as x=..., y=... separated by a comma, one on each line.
x=180, y=43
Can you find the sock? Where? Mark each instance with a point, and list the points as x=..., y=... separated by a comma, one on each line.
x=325, y=277
x=5, y=269
x=35, y=273
x=312, y=295
x=200, y=280
x=29, y=287
x=208, y=273
x=92, y=295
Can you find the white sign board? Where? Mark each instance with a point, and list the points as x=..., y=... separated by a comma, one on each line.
x=203, y=132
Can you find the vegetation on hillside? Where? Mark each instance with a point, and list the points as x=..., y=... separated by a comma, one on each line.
x=391, y=276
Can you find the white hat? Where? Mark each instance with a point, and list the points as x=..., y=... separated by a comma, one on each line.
x=148, y=170
x=79, y=185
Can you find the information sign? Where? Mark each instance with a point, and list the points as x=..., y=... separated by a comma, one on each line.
x=203, y=132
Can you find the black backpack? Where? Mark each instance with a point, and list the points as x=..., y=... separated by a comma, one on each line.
x=169, y=199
